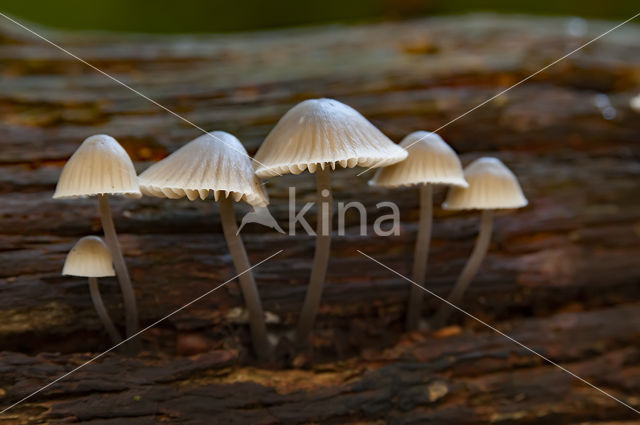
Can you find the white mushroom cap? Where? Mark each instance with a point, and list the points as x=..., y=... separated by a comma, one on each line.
x=324, y=132
x=89, y=257
x=491, y=186
x=430, y=160
x=215, y=162
x=99, y=166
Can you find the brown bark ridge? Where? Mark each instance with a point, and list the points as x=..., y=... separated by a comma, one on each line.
x=561, y=275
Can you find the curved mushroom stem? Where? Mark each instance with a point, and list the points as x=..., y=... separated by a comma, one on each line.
x=247, y=283
x=128, y=295
x=421, y=256
x=470, y=269
x=320, y=257
x=102, y=311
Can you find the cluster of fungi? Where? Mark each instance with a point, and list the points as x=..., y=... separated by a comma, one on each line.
x=316, y=135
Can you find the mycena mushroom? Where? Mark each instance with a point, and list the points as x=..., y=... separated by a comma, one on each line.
x=90, y=258
x=430, y=162
x=217, y=163
x=492, y=186
x=101, y=167
x=316, y=135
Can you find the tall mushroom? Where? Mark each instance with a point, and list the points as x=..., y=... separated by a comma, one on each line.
x=492, y=186
x=217, y=163
x=430, y=161
x=100, y=166
x=90, y=258
x=316, y=135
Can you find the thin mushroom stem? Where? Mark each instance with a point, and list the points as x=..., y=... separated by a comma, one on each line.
x=129, y=297
x=320, y=258
x=470, y=269
x=421, y=256
x=247, y=282
x=94, y=290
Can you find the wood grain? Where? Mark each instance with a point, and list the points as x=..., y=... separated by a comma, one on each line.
x=561, y=276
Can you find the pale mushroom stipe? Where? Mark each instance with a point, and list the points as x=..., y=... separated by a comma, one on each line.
x=492, y=186
x=101, y=167
x=431, y=161
x=316, y=135
x=90, y=258
x=205, y=167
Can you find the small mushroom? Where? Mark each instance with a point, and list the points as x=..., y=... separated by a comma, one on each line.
x=430, y=161
x=101, y=167
x=316, y=135
x=90, y=258
x=217, y=163
x=492, y=186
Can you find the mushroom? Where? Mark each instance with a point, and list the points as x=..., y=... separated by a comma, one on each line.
x=430, y=161
x=100, y=166
x=492, y=186
x=316, y=135
x=90, y=258
x=217, y=163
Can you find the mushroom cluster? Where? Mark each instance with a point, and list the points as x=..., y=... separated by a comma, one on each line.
x=101, y=167
x=317, y=136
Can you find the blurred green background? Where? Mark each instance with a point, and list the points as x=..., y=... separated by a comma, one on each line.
x=170, y=16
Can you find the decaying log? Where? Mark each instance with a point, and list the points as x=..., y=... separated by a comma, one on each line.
x=425, y=378
x=562, y=274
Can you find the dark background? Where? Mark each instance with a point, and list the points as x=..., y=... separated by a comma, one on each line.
x=170, y=16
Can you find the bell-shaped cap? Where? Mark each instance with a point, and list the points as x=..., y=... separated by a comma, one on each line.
x=320, y=133
x=89, y=257
x=430, y=160
x=491, y=186
x=215, y=162
x=99, y=166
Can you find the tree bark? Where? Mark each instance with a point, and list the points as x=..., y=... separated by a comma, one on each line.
x=430, y=380
x=561, y=275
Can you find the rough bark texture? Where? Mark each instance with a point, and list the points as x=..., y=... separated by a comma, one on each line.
x=561, y=276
